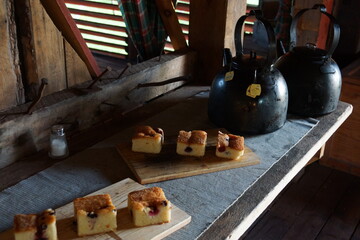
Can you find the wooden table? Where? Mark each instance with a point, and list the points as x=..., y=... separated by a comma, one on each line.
x=238, y=217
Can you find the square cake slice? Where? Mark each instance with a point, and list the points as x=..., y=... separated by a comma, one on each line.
x=149, y=206
x=25, y=227
x=147, y=140
x=191, y=143
x=95, y=214
x=229, y=146
x=32, y=226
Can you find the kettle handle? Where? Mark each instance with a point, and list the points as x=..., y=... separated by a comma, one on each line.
x=271, y=56
x=336, y=30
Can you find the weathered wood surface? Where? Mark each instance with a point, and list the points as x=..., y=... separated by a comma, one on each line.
x=325, y=198
x=20, y=170
x=171, y=23
x=76, y=70
x=126, y=229
x=12, y=92
x=208, y=32
x=61, y=17
x=49, y=49
x=259, y=196
x=26, y=47
x=23, y=135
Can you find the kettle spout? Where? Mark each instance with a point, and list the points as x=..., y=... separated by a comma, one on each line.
x=280, y=48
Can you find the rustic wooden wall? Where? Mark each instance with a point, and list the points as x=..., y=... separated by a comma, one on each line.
x=12, y=92
x=212, y=25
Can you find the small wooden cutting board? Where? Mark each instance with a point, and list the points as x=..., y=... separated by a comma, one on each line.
x=126, y=230
x=150, y=168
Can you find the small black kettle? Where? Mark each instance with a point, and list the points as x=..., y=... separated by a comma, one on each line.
x=312, y=76
x=249, y=95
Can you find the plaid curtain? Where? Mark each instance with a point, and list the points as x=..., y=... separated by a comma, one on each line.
x=144, y=26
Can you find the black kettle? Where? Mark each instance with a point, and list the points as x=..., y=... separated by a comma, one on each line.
x=249, y=95
x=312, y=76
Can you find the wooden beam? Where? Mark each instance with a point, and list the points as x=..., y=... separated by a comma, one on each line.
x=12, y=91
x=24, y=135
x=211, y=27
x=61, y=17
x=171, y=23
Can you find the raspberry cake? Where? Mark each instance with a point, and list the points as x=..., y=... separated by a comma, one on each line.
x=94, y=214
x=191, y=143
x=147, y=140
x=149, y=206
x=229, y=146
x=34, y=227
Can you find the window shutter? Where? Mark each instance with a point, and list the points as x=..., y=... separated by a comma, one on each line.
x=103, y=28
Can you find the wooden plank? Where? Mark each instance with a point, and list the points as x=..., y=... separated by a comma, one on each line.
x=259, y=196
x=27, y=46
x=126, y=229
x=281, y=215
x=150, y=168
x=10, y=76
x=313, y=217
x=171, y=23
x=345, y=218
x=61, y=17
x=207, y=33
x=49, y=49
x=76, y=70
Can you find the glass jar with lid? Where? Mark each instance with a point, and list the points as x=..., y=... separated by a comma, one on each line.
x=58, y=144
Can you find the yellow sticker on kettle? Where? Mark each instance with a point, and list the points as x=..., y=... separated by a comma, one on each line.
x=229, y=76
x=253, y=90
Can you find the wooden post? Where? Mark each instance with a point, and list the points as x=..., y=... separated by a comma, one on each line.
x=212, y=25
x=11, y=87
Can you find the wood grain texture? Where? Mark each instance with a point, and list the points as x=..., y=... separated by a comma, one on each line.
x=76, y=70
x=61, y=17
x=150, y=168
x=171, y=23
x=125, y=230
x=23, y=135
x=12, y=92
x=49, y=49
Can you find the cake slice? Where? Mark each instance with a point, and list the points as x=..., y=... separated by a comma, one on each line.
x=25, y=226
x=191, y=143
x=229, y=146
x=149, y=206
x=147, y=140
x=34, y=227
x=94, y=214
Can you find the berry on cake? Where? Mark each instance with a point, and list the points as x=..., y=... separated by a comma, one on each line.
x=149, y=206
x=35, y=226
x=147, y=140
x=191, y=143
x=229, y=146
x=95, y=214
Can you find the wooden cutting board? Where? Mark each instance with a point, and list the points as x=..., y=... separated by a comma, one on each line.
x=150, y=168
x=126, y=230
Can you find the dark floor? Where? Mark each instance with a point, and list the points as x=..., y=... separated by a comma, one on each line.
x=320, y=204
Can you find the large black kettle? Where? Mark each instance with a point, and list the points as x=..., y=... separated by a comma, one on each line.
x=249, y=95
x=312, y=76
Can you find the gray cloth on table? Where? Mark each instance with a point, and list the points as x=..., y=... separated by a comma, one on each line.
x=204, y=197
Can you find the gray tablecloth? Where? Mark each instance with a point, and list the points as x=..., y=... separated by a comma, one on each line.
x=204, y=197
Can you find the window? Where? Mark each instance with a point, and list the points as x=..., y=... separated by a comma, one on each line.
x=103, y=28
